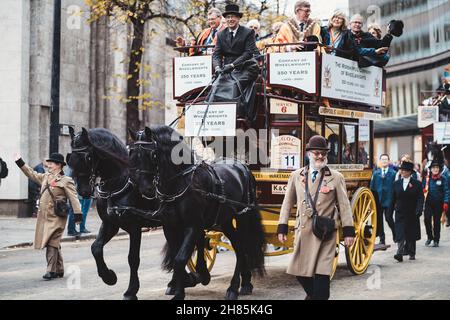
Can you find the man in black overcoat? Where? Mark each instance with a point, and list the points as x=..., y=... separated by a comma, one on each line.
x=233, y=60
x=407, y=201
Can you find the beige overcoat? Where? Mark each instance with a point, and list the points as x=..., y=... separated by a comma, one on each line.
x=49, y=226
x=311, y=255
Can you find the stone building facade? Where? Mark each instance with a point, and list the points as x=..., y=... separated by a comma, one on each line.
x=93, y=56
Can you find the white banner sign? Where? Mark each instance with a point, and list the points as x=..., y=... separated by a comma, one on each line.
x=427, y=115
x=343, y=80
x=220, y=120
x=191, y=73
x=278, y=106
x=441, y=132
x=293, y=69
x=285, y=152
x=364, y=130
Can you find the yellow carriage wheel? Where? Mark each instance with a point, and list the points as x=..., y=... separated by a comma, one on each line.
x=210, y=252
x=365, y=221
x=336, y=255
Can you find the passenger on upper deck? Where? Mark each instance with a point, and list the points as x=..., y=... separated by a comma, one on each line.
x=299, y=28
x=335, y=32
x=208, y=36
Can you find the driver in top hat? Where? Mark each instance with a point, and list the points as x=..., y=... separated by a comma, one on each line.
x=235, y=44
x=312, y=259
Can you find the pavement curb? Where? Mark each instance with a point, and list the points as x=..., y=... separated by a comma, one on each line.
x=64, y=239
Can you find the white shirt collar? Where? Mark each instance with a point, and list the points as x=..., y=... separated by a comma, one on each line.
x=234, y=31
x=406, y=182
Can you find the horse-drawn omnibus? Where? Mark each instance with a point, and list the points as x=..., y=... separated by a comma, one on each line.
x=299, y=94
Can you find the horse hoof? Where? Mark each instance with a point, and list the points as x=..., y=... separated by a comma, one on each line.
x=134, y=297
x=206, y=278
x=246, y=290
x=110, y=278
x=231, y=295
x=170, y=291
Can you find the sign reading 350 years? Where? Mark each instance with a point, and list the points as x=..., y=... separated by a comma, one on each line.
x=293, y=69
x=190, y=73
x=343, y=80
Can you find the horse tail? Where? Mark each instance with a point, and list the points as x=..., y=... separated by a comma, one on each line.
x=251, y=232
x=168, y=258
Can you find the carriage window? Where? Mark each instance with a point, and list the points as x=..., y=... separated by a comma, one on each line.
x=332, y=136
x=349, y=144
x=364, y=142
x=285, y=148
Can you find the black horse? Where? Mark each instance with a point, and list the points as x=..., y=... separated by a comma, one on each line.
x=99, y=153
x=198, y=197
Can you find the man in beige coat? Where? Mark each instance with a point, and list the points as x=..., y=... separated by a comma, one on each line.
x=312, y=259
x=49, y=226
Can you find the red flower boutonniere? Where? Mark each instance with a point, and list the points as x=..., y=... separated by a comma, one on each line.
x=53, y=183
x=410, y=185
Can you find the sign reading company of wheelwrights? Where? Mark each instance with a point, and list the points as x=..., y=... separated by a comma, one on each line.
x=191, y=73
x=346, y=113
x=220, y=120
x=278, y=106
x=441, y=132
x=293, y=69
x=427, y=115
x=343, y=80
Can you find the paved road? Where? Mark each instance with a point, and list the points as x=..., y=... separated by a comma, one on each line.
x=21, y=269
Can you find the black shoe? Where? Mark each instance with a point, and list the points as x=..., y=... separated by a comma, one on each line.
x=50, y=276
x=398, y=257
x=435, y=244
x=412, y=257
x=60, y=274
x=85, y=231
x=73, y=234
x=427, y=243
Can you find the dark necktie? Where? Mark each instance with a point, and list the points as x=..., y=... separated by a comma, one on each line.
x=213, y=34
x=314, y=175
x=302, y=26
x=231, y=36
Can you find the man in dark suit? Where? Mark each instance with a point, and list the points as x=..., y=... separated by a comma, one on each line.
x=233, y=60
x=407, y=201
x=381, y=185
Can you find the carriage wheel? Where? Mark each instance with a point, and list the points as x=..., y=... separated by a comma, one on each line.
x=210, y=253
x=336, y=255
x=365, y=221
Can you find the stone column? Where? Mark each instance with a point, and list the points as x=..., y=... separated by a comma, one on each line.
x=14, y=95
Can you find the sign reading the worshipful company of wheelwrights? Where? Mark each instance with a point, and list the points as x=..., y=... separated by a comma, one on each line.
x=343, y=80
x=219, y=120
x=190, y=73
x=441, y=132
x=293, y=69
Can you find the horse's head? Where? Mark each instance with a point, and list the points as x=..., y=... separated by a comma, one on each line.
x=83, y=162
x=143, y=161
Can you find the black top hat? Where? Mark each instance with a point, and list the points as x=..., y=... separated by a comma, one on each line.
x=436, y=163
x=396, y=27
x=317, y=143
x=57, y=158
x=232, y=9
x=406, y=165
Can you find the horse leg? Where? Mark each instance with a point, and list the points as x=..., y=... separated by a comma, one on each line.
x=133, y=262
x=181, y=259
x=246, y=276
x=201, y=266
x=233, y=290
x=106, y=233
